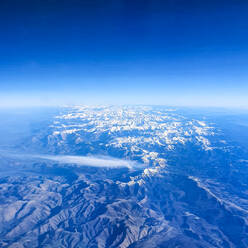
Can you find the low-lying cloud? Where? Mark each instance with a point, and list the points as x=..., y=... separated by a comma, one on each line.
x=92, y=161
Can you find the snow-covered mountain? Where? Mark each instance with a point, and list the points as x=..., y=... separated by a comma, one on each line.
x=125, y=176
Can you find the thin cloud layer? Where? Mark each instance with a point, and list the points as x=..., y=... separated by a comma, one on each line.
x=92, y=161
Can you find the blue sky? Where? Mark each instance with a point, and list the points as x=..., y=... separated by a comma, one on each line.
x=172, y=52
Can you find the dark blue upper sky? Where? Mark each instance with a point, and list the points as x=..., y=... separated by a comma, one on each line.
x=177, y=52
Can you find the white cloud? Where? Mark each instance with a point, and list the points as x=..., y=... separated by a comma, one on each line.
x=105, y=161
x=94, y=161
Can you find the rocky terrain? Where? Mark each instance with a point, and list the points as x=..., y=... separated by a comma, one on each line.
x=129, y=176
